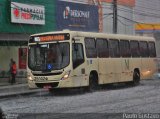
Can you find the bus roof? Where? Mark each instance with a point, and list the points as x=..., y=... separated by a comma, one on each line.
x=99, y=35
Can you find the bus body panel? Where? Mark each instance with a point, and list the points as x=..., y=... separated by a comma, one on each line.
x=148, y=68
x=80, y=75
x=109, y=70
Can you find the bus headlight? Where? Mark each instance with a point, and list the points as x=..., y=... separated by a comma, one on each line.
x=66, y=75
x=30, y=78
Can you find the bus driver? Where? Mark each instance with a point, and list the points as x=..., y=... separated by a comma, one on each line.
x=51, y=56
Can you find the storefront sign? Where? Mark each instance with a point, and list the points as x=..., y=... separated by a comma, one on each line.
x=22, y=58
x=76, y=16
x=27, y=14
x=130, y=3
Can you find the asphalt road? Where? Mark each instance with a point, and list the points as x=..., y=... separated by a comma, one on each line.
x=117, y=102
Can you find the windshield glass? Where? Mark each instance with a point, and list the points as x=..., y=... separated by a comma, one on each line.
x=47, y=57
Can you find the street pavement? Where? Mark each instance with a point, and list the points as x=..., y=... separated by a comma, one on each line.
x=124, y=100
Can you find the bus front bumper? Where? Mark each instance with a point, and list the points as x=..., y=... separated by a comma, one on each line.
x=55, y=84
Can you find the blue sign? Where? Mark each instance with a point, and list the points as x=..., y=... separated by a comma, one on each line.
x=49, y=66
x=76, y=16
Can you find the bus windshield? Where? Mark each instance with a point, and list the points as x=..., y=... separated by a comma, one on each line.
x=48, y=57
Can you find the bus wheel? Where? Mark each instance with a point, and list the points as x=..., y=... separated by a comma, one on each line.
x=93, y=82
x=136, y=78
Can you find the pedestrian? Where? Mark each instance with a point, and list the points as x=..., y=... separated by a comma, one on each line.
x=13, y=72
x=10, y=70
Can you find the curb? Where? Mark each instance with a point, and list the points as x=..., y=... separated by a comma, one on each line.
x=23, y=93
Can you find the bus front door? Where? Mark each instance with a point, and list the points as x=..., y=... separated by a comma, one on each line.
x=79, y=64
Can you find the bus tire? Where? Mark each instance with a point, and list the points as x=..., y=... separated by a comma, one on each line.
x=93, y=82
x=136, y=78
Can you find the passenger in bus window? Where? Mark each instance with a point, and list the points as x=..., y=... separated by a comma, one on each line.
x=51, y=56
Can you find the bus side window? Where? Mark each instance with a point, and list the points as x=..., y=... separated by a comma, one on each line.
x=114, y=48
x=77, y=54
x=144, y=49
x=125, y=48
x=90, y=45
x=102, y=48
x=134, y=45
x=152, y=49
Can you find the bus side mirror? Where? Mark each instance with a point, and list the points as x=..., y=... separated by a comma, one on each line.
x=76, y=47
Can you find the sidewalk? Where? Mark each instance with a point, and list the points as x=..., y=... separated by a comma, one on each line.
x=20, y=88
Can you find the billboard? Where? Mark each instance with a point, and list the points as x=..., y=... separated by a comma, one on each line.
x=144, y=27
x=130, y=3
x=27, y=14
x=76, y=16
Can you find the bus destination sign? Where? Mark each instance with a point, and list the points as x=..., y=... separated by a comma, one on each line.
x=50, y=38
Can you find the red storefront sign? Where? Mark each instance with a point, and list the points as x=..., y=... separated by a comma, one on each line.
x=27, y=14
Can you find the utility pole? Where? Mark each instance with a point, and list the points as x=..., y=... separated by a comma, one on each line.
x=100, y=12
x=115, y=16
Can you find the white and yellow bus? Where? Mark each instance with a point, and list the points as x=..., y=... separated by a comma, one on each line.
x=66, y=59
